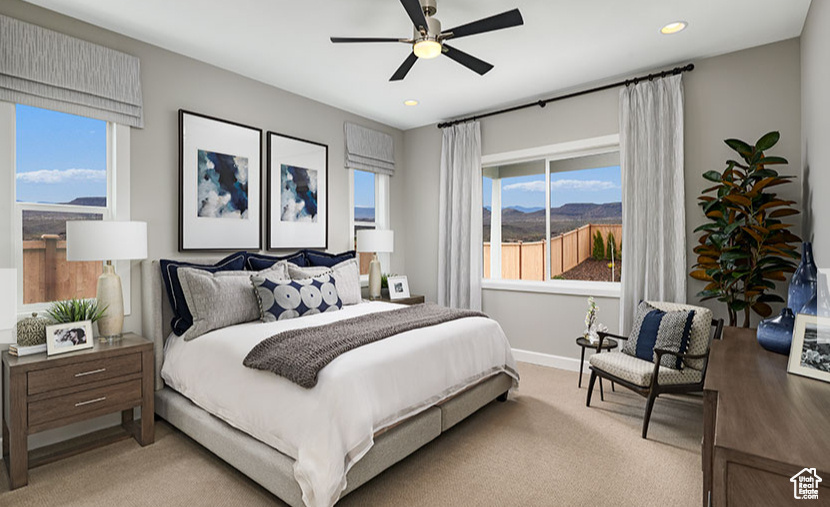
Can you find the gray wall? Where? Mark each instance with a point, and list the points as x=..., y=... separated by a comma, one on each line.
x=743, y=95
x=171, y=81
x=815, y=121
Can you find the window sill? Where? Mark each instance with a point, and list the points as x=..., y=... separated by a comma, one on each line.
x=564, y=287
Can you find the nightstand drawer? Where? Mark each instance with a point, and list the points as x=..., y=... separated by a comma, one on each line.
x=41, y=381
x=83, y=402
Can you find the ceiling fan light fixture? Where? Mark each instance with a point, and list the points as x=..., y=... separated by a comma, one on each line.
x=674, y=27
x=427, y=49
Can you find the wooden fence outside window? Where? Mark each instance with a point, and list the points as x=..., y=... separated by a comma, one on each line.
x=526, y=261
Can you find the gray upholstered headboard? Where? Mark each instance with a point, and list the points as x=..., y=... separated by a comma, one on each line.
x=156, y=313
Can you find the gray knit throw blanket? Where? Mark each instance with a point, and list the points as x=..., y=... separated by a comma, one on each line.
x=300, y=354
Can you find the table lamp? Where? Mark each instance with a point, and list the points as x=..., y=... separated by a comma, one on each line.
x=8, y=304
x=375, y=241
x=107, y=241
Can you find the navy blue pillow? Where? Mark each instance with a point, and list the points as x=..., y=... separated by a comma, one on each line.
x=655, y=328
x=287, y=299
x=317, y=258
x=182, y=318
x=258, y=262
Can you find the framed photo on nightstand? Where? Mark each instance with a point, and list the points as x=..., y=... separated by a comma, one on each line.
x=68, y=337
x=398, y=287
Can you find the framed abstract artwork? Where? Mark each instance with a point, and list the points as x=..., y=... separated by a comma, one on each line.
x=297, y=199
x=220, y=184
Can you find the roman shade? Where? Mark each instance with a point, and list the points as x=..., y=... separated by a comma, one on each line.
x=369, y=150
x=44, y=68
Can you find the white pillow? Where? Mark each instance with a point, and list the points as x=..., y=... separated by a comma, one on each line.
x=346, y=278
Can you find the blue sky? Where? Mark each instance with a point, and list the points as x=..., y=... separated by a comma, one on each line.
x=598, y=186
x=364, y=189
x=59, y=156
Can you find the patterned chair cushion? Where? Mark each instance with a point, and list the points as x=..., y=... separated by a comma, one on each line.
x=701, y=333
x=657, y=329
x=639, y=372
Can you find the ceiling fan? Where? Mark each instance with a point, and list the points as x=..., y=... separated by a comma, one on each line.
x=428, y=39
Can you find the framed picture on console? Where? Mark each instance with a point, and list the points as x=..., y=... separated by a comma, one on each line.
x=220, y=184
x=810, y=349
x=297, y=196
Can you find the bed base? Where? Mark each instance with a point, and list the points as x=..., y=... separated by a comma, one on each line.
x=274, y=470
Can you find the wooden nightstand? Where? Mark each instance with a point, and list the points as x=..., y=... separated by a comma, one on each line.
x=41, y=393
x=411, y=300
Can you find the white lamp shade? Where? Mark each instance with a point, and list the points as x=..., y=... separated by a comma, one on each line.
x=105, y=241
x=375, y=240
x=8, y=298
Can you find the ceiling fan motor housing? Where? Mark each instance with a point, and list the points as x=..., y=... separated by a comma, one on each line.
x=433, y=30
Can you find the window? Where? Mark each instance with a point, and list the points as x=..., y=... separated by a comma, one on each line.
x=556, y=216
x=370, y=210
x=64, y=169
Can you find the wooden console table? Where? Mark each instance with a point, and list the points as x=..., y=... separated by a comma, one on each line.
x=762, y=426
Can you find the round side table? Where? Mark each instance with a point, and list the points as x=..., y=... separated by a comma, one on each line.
x=607, y=344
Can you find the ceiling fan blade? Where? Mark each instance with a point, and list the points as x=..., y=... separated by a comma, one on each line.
x=404, y=68
x=416, y=13
x=469, y=61
x=365, y=39
x=504, y=20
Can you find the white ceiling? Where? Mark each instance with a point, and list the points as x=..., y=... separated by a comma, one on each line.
x=563, y=44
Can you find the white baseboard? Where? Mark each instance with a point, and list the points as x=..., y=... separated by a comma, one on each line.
x=550, y=360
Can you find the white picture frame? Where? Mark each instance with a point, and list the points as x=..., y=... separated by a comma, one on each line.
x=217, y=212
x=810, y=349
x=69, y=337
x=398, y=287
x=297, y=214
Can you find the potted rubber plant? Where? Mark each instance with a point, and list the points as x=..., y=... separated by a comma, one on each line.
x=746, y=247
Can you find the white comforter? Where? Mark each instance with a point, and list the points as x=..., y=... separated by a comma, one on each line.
x=328, y=428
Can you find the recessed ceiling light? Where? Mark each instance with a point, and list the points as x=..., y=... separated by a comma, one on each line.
x=410, y=102
x=677, y=26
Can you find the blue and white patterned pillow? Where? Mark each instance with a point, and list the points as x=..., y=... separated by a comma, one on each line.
x=654, y=328
x=287, y=299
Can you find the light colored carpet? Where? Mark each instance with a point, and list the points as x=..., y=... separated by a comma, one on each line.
x=543, y=447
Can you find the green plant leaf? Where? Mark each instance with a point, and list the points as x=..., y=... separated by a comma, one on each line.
x=713, y=176
x=773, y=161
x=739, y=146
x=767, y=141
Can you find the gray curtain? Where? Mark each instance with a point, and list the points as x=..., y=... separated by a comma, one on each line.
x=369, y=150
x=460, y=221
x=654, y=220
x=44, y=68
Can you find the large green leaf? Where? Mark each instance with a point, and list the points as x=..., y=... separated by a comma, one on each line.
x=712, y=176
x=741, y=147
x=767, y=141
x=773, y=160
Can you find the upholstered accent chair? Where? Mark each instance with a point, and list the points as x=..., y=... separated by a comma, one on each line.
x=652, y=378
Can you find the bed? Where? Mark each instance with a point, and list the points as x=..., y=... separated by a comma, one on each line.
x=311, y=447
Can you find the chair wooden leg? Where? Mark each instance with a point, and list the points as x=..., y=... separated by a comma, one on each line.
x=649, y=406
x=601, y=393
x=591, y=387
x=502, y=397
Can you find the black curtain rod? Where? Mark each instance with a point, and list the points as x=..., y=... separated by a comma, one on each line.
x=542, y=103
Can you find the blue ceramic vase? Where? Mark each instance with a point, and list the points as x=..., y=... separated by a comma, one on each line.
x=820, y=303
x=804, y=282
x=776, y=334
